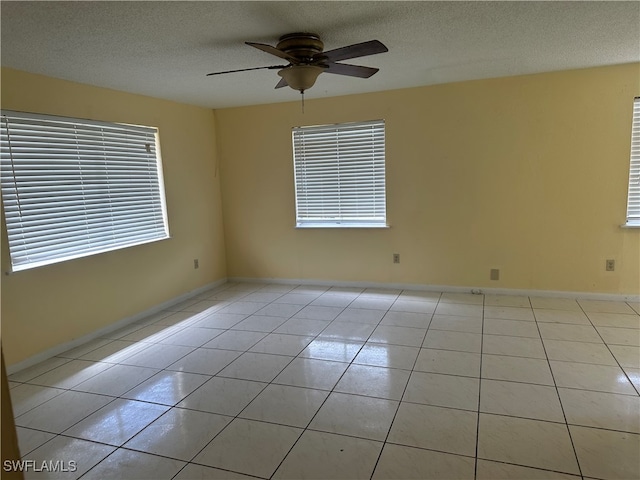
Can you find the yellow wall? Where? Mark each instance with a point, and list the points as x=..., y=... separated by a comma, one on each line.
x=47, y=306
x=526, y=174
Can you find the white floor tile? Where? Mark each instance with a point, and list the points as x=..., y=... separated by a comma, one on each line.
x=465, y=298
x=205, y=361
x=29, y=439
x=249, y=447
x=83, y=454
x=70, y=374
x=601, y=410
x=390, y=356
x=488, y=470
x=347, y=331
x=411, y=337
x=398, y=461
x=627, y=356
x=435, y=428
x=158, y=356
x=507, y=300
x=360, y=315
x=602, y=306
x=235, y=340
x=568, y=304
x=116, y=422
x=620, y=336
x=116, y=380
x=513, y=346
x=619, y=320
x=454, y=323
x=448, y=362
x=138, y=465
x=285, y=405
x=443, y=390
x=544, y=315
x=572, y=333
x=24, y=397
x=372, y=381
x=356, y=416
x=509, y=313
x=62, y=411
x=606, y=454
x=463, y=310
x=459, y=341
x=259, y=367
x=226, y=396
x=259, y=323
x=331, y=457
x=200, y=472
x=512, y=328
x=167, y=387
x=601, y=378
x=580, y=352
x=179, y=433
x=516, y=369
x=282, y=344
x=545, y=445
x=524, y=400
x=332, y=349
x=312, y=373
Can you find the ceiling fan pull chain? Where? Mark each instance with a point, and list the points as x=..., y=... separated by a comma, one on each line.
x=302, y=93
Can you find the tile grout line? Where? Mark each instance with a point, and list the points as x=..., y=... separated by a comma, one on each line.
x=475, y=467
x=555, y=384
x=386, y=439
x=609, y=350
x=334, y=386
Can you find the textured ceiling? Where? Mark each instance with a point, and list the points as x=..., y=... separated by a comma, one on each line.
x=164, y=49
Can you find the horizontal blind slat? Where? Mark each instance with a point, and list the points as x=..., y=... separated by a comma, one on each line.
x=633, y=198
x=340, y=173
x=74, y=187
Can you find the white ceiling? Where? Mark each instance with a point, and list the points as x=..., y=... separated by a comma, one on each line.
x=164, y=49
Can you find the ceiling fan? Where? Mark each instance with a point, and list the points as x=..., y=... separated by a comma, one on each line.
x=307, y=60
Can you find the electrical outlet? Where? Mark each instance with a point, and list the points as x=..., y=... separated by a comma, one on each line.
x=196, y=264
x=610, y=265
x=495, y=274
x=396, y=258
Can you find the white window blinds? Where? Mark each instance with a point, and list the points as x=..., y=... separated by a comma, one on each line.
x=72, y=188
x=340, y=175
x=633, y=200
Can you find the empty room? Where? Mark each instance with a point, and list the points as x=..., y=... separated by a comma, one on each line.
x=320, y=240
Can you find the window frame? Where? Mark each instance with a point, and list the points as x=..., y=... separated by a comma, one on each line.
x=74, y=188
x=345, y=202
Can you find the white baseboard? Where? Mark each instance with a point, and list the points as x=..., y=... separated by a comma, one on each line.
x=447, y=288
x=63, y=347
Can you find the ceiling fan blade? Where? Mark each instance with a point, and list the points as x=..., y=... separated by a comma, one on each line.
x=273, y=51
x=271, y=67
x=353, y=51
x=282, y=83
x=350, y=70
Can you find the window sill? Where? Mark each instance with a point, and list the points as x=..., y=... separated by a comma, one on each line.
x=630, y=225
x=342, y=226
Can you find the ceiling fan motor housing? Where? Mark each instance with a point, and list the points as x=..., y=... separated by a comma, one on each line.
x=303, y=46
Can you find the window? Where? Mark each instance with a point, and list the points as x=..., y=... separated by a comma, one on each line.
x=340, y=175
x=633, y=200
x=73, y=188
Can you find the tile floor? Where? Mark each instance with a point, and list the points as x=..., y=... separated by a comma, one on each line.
x=274, y=381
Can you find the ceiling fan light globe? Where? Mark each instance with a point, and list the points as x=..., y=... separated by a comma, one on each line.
x=301, y=77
